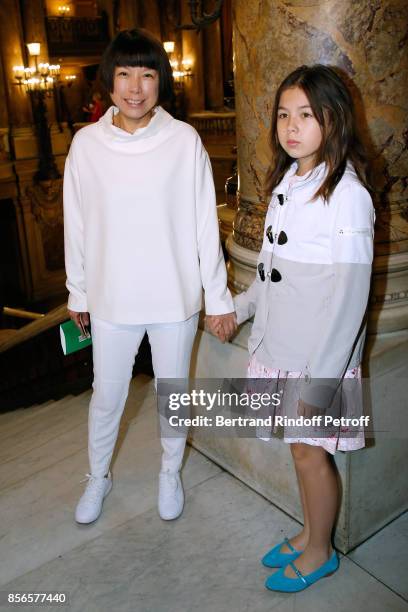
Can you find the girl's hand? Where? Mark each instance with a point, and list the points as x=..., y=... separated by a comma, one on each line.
x=213, y=326
x=81, y=319
x=222, y=326
x=218, y=331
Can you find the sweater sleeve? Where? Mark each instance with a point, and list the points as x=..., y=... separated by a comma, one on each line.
x=352, y=256
x=217, y=297
x=74, y=237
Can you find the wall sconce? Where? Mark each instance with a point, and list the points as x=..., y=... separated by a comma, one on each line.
x=185, y=71
x=186, y=64
x=187, y=67
x=64, y=10
x=70, y=78
x=177, y=73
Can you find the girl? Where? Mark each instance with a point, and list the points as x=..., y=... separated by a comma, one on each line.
x=311, y=291
x=141, y=242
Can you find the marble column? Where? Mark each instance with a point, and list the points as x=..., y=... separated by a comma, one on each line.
x=4, y=117
x=192, y=49
x=13, y=54
x=214, y=87
x=368, y=41
x=128, y=15
x=150, y=18
x=33, y=16
x=6, y=168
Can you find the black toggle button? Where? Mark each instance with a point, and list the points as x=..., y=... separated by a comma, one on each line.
x=261, y=271
x=275, y=275
x=281, y=199
x=282, y=238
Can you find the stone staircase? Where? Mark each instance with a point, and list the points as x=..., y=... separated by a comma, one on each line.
x=130, y=560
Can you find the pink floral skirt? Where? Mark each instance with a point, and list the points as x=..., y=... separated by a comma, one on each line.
x=339, y=440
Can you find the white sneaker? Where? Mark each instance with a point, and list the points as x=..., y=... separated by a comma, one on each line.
x=171, y=496
x=90, y=505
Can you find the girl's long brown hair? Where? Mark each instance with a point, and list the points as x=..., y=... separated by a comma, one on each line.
x=333, y=108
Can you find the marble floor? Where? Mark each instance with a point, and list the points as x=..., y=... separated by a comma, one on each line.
x=130, y=560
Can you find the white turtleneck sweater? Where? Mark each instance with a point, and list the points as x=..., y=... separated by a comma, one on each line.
x=141, y=228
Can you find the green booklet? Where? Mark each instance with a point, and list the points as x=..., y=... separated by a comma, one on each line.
x=72, y=339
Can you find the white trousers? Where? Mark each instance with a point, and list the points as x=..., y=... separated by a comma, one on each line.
x=114, y=350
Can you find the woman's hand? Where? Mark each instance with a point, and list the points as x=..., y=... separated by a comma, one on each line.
x=222, y=326
x=81, y=319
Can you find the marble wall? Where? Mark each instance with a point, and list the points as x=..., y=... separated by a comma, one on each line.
x=368, y=40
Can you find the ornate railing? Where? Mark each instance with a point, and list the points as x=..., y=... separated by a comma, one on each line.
x=38, y=326
x=77, y=35
x=33, y=368
x=214, y=123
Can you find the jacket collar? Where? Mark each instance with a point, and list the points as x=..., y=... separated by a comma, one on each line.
x=311, y=179
x=160, y=119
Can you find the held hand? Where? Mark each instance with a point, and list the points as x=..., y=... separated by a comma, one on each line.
x=81, y=319
x=222, y=326
x=215, y=328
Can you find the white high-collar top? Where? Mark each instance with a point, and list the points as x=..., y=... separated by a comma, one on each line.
x=141, y=228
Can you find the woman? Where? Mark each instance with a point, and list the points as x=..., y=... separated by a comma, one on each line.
x=141, y=242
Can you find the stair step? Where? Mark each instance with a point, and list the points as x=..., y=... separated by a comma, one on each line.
x=21, y=419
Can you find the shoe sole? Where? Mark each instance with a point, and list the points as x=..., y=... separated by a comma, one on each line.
x=94, y=521
x=172, y=518
x=306, y=587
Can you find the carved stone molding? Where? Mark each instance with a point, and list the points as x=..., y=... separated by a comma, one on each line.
x=249, y=222
x=46, y=198
x=46, y=207
x=41, y=231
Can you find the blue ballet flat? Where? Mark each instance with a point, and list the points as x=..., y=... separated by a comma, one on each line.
x=276, y=558
x=280, y=582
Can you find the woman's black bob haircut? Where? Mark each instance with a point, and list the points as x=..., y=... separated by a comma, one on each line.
x=137, y=47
